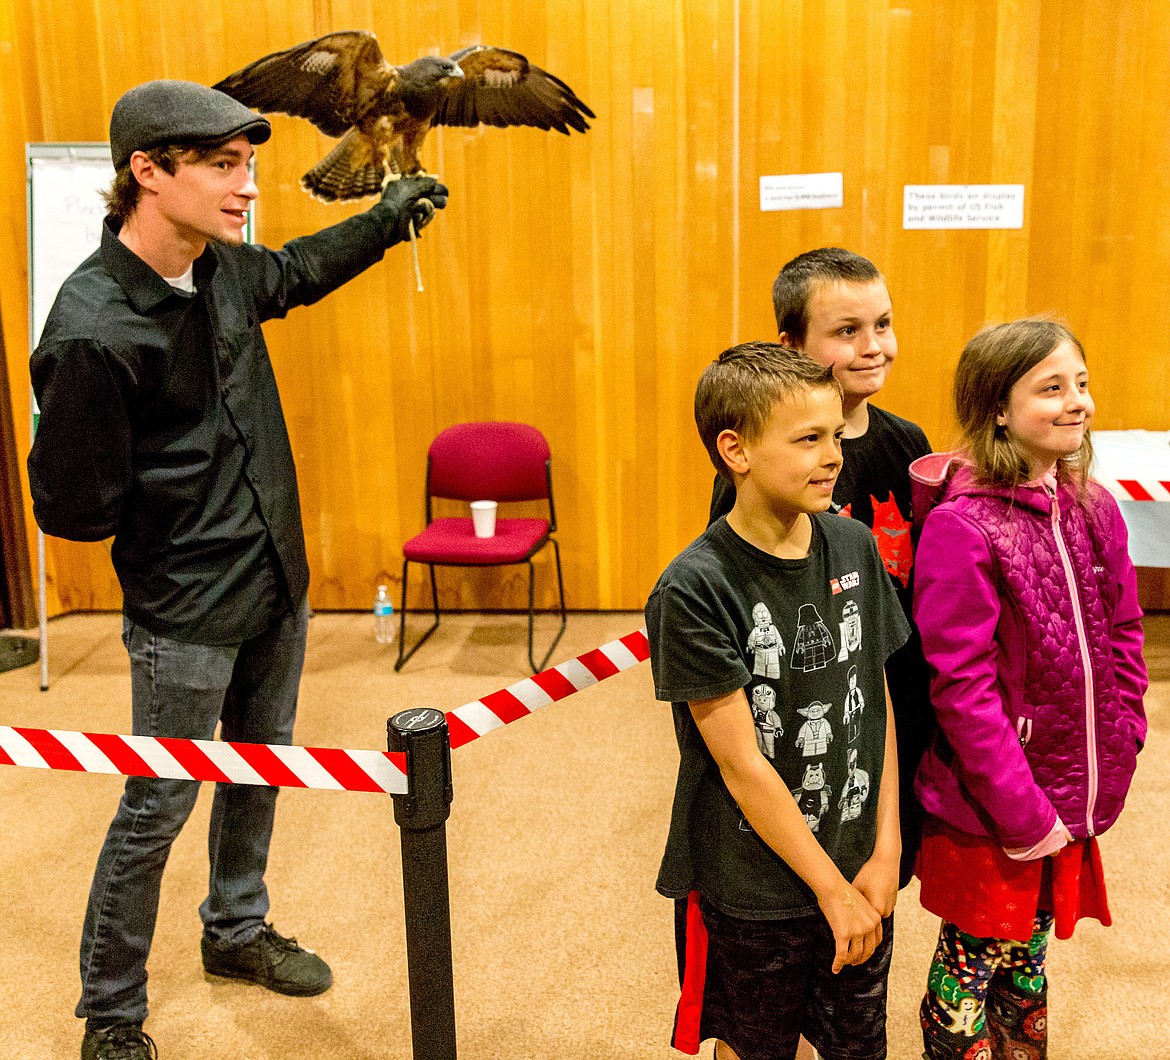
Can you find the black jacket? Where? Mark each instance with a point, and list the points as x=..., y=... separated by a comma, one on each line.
x=160, y=423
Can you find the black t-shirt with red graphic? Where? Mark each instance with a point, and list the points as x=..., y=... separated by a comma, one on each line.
x=874, y=488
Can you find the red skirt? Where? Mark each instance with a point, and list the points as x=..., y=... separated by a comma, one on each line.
x=969, y=881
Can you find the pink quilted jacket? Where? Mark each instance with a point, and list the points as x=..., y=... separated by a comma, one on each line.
x=1027, y=604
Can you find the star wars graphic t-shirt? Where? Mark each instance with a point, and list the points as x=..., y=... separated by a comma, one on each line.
x=806, y=640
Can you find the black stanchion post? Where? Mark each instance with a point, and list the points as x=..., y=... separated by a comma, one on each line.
x=422, y=815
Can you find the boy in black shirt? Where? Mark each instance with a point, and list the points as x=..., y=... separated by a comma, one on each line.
x=833, y=306
x=785, y=889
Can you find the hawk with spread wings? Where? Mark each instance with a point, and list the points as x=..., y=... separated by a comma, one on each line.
x=344, y=86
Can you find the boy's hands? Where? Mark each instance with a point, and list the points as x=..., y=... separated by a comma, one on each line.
x=856, y=925
x=878, y=881
x=878, y=878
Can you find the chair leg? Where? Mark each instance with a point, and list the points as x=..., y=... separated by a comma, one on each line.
x=403, y=654
x=402, y=619
x=531, y=609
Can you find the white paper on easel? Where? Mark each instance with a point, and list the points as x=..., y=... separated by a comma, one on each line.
x=802, y=191
x=942, y=206
x=65, y=218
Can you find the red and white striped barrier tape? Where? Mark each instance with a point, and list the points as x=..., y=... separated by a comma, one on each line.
x=473, y=720
x=275, y=765
x=270, y=765
x=1132, y=489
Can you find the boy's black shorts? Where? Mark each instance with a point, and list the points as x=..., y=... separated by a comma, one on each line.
x=759, y=984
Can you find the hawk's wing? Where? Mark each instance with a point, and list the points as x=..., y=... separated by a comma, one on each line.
x=503, y=88
x=331, y=81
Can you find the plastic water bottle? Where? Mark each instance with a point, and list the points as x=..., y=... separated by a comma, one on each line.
x=383, y=616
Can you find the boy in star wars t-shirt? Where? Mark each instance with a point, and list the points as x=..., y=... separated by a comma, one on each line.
x=784, y=829
x=812, y=714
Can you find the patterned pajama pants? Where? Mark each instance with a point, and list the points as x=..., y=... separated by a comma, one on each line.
x=987, y=999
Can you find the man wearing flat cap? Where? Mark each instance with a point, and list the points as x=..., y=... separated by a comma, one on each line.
x=161, y=425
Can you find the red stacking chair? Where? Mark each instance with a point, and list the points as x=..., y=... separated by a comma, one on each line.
x=485, y=461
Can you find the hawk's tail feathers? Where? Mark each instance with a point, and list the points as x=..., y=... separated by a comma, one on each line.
x=348, y=172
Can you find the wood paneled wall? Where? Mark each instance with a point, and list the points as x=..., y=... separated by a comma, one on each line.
x=581, y=283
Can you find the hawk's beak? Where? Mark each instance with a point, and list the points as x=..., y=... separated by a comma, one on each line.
x=458, y=72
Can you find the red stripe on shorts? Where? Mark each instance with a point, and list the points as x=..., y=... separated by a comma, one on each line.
x=690, y=1003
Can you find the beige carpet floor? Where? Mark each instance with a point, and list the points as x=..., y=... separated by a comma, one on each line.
x=561, y=947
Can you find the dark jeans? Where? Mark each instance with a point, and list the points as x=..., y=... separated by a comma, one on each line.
x=184, y=690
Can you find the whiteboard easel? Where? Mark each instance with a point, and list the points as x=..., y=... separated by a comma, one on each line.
x=65, y=212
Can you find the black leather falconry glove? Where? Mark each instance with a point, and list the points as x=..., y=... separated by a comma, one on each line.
x=407, y=199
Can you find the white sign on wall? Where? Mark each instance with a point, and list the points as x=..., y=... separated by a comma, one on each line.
x=940, y=206
x=802, y=191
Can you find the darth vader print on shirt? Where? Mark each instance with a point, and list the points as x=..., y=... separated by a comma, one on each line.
x=813, y=648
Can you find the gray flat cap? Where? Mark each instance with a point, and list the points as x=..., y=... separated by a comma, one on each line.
x=179, y=112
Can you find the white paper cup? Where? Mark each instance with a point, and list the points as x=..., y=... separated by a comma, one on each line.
x=483, y=517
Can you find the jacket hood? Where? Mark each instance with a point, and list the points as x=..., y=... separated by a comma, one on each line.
x=930, y=476
x=944, y=476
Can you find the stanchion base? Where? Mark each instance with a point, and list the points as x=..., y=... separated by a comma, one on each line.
x=16, y=652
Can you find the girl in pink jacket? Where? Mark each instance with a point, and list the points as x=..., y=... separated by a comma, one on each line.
x=1027, y=603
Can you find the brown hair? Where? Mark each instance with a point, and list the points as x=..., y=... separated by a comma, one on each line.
x=122, y=198
x=990, y=365
x=793, y=289
x=737, y=391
